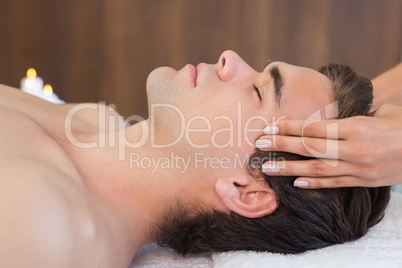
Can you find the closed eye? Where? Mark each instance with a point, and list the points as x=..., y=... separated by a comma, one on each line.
x=258, y=92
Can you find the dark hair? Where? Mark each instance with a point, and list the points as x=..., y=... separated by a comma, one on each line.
x=304, y=219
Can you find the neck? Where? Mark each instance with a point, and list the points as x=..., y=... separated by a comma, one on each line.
x=127, y=182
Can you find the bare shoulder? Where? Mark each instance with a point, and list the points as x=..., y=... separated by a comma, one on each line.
x=84, y=117
x=41, y=219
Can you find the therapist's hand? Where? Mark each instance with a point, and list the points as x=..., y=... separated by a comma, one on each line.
x=364, y=151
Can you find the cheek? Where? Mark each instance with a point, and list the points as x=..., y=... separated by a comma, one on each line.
x=219, y=121
x=252, y=128
x=232, y=132
x=232, y=125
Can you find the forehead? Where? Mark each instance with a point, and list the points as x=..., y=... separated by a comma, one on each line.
x=305, y=91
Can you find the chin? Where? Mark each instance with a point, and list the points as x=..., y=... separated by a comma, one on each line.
x=159, y=83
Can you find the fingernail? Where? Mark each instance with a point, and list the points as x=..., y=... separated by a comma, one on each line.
x=271, y=130
x=300, y=183
x=270, y=168
x=261, y=144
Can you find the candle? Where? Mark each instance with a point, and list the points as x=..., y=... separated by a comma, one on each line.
x=32, y=84
x=50, y=96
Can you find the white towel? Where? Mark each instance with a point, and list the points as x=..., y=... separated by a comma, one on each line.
x=380, y=247
x=153, y=256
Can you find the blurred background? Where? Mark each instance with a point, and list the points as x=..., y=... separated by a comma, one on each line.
x=103, y=50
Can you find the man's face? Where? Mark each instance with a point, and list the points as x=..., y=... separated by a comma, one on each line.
x=219, y=110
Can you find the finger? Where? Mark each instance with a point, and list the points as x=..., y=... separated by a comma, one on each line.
x=325, y=129
x=332, y=182
x=309, y=168
x=311, y=147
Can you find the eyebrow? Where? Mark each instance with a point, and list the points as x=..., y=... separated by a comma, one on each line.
x=278, y=81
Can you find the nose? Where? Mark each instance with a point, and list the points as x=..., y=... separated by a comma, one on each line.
x=231, y=66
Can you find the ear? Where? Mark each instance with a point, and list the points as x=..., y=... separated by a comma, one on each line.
x=246, y=196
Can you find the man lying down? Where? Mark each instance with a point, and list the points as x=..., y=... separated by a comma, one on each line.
x=77, y=189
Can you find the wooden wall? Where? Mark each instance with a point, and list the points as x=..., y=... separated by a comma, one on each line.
x=93, y=50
